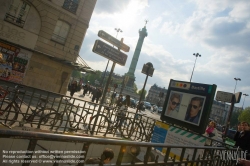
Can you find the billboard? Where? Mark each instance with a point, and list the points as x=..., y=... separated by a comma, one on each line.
x=188, y=104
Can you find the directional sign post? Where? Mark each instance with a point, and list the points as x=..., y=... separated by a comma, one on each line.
x=109, y=52
x=112, y=40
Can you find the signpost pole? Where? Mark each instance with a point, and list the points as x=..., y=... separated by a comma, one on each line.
x=229, y=115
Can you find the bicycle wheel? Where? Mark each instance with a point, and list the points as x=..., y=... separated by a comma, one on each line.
x=102, y=124
x=135, y=131
x=8, y=113
x=125, y=128
x=51, y=121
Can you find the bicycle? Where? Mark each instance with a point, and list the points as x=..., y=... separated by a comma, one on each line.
x=72, y=119
x=10, y=111
x=120, y=122
x=139, y=131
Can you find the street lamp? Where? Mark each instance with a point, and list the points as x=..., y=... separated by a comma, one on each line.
x=196, y=55
x=236, y=79
x=244, y=100
x=117, y=30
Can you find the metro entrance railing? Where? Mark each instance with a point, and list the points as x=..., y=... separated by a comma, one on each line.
x=126, y=152
x=29, y=107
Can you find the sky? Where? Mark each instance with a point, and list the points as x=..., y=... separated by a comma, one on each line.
x=218, y=30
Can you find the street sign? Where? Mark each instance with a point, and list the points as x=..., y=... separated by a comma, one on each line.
x=109, y=52
x=112, y=40
x=224, y=96
x=237, y=97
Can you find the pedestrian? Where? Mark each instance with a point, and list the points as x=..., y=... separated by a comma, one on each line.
x=242, y=138
x=94, y=93
x=73, y=88
x=98, y=94
x=85, y=89
x=119, y=101
x=210, y=132
x=140, y=106
x=106, y=157
x=122, y=110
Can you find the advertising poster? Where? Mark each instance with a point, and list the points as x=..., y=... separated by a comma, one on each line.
x=185, y=107
x=188, y=105
x=164, y=133
x=13, y=62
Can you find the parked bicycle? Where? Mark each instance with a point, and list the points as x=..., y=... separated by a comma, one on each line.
x=75, y=118
x=11, y=109
x=141, y=129
x=115, y=121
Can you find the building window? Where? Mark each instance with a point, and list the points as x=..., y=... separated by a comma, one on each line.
x=61, y=32
x=71, y=5
x=17, y=13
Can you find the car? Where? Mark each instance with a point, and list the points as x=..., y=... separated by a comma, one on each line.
x=230, y=133
x=132, y=103
x=147, y=105
x=159, y=110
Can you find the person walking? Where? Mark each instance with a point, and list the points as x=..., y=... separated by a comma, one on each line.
x=73, y=88
x=98, y=94
x=85, y=89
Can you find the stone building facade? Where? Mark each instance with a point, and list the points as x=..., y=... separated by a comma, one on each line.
x=40, y=41
x=154, y=96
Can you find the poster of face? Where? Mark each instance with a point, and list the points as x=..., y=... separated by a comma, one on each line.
x=185, y=107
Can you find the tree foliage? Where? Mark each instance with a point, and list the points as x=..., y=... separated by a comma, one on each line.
x=143, y=94
x=76, y=74
x=245, y=115
x=235, y=119
x=92, y=77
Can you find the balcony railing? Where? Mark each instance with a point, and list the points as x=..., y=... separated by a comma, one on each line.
x=14, y=20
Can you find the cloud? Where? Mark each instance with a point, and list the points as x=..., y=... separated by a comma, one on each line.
x=110, y=6
x=156, y=22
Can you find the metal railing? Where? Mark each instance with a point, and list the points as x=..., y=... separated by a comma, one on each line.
x=14, y=20
x=65, y=114
x=217, y=156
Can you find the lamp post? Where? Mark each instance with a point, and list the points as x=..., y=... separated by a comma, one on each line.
x=196, y=55
x=117, y=30
x=236, y=79
x=244, y=100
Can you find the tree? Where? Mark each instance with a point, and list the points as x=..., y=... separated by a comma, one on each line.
x=245, y=115
x=235, y=119
x=92, y=77
x=143, y=95
x=76, y=74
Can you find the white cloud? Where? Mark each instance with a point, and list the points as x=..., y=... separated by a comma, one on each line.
x=156, y=22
